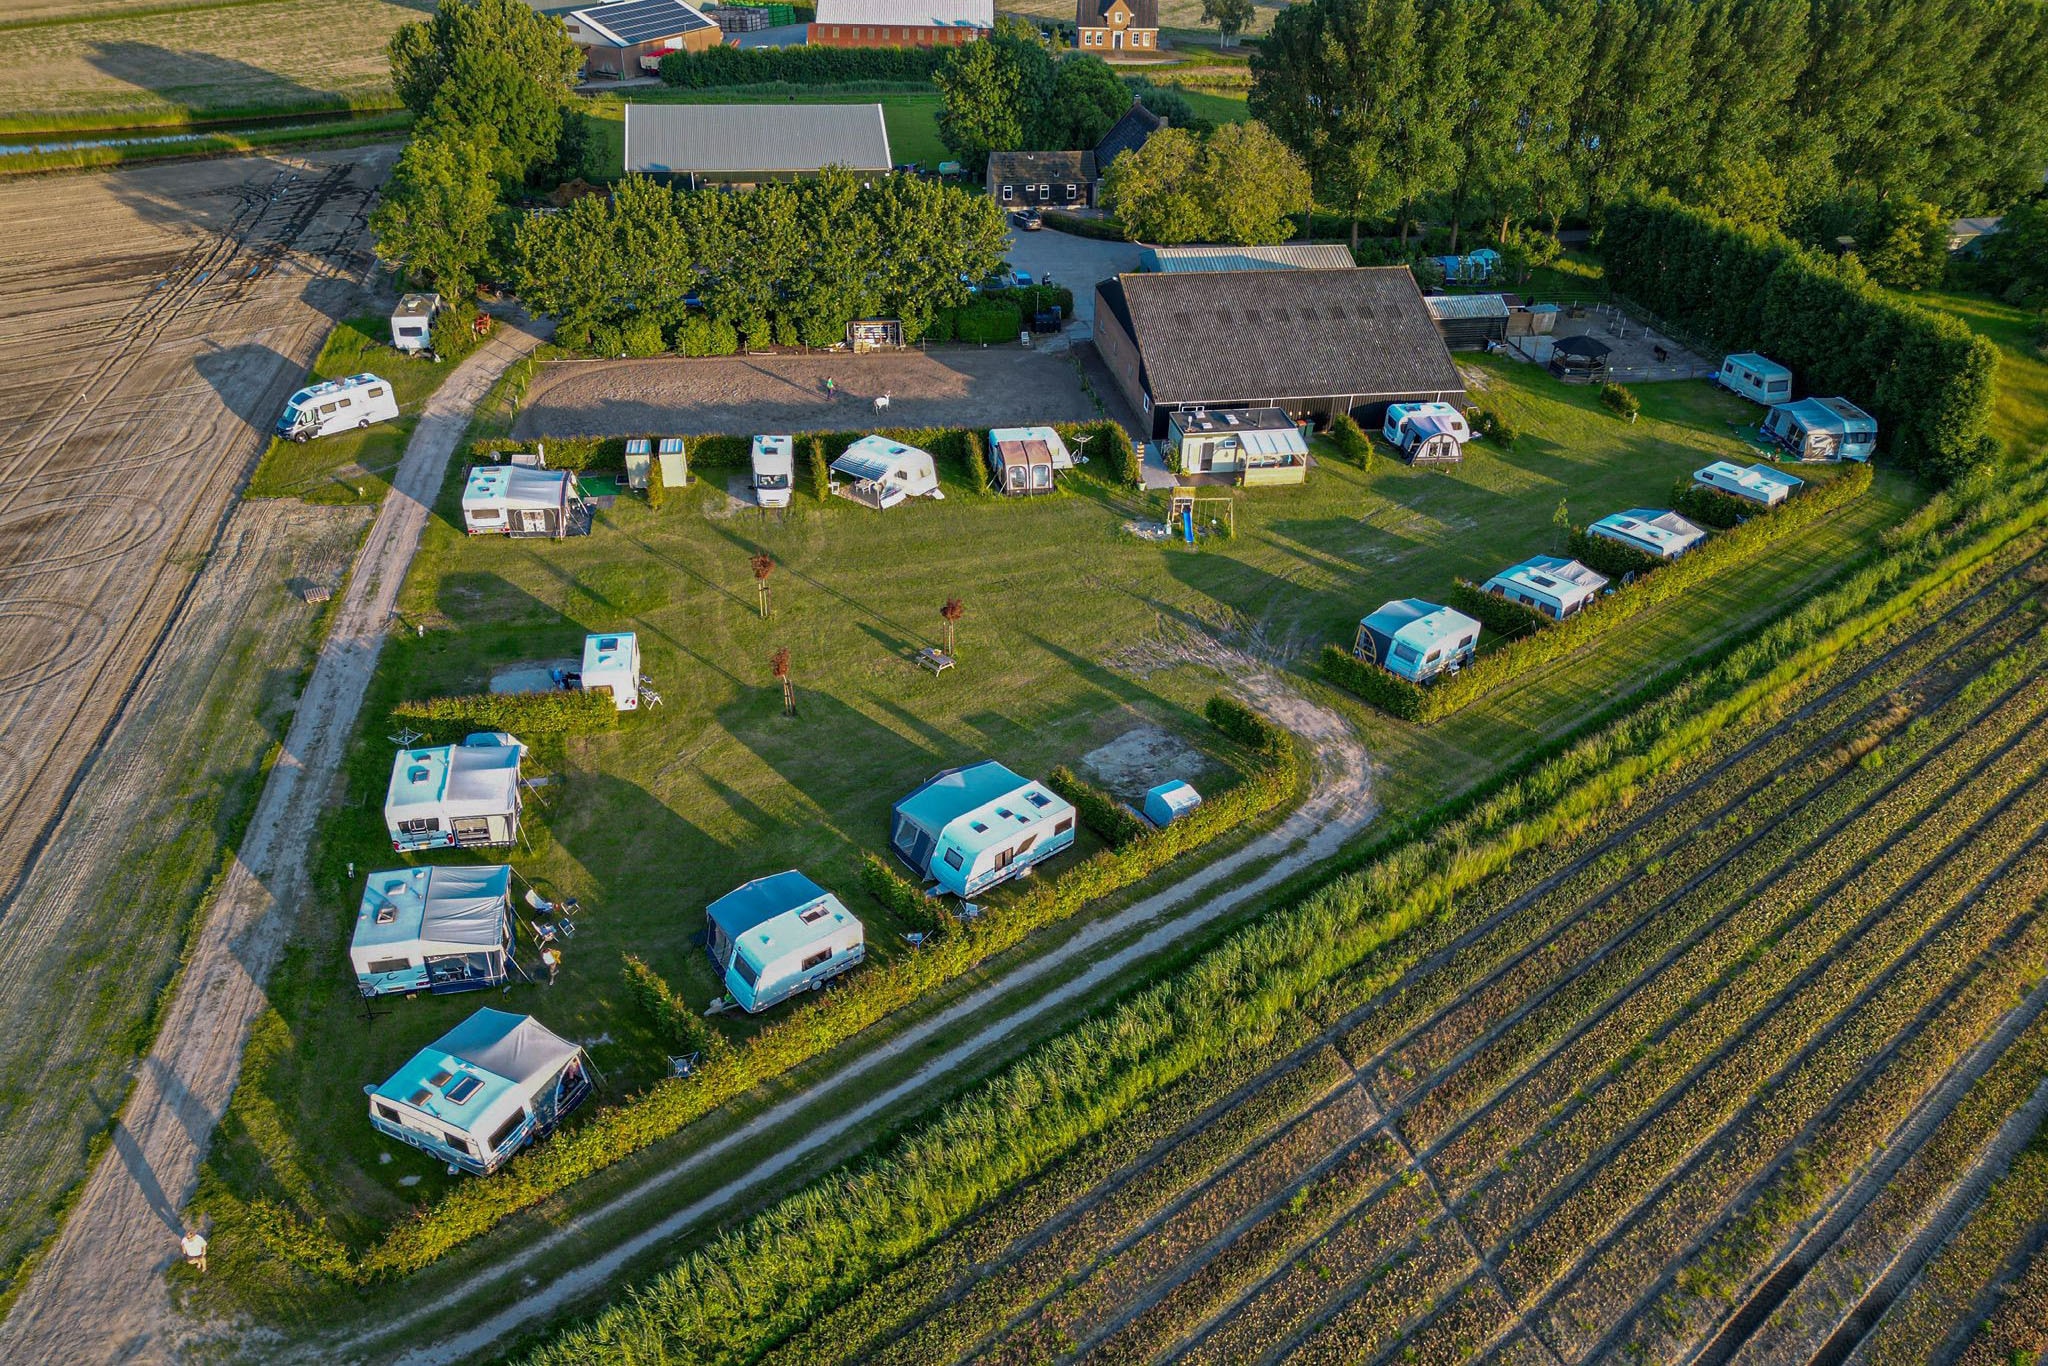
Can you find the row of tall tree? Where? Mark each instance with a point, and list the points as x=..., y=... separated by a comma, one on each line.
x=1519, y=110
x=658, y=267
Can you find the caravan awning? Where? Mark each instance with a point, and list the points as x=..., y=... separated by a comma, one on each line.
x=434, y=911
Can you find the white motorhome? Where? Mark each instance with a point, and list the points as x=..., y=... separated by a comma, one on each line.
x=338, y=405
x=774, y=470
x=611, y=663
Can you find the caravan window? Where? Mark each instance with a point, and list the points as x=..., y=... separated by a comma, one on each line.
x=953, y=859
x=385, y=1112
x=813, y=915
x=507, y=1129
x=818, y=959
x=1066, y=824
x=747, y=971
x=382, y=965
x=1038, y=799
x=1779, y=386
x=1405, y=653
x=373, y=393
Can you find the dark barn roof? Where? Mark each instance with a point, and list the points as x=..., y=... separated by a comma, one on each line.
x=631, y=22
x=1283, y=334
x=1094, y=13
x=1127, y=134
x=1032, y=168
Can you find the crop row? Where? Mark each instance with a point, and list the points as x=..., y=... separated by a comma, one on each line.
x=1253, y=1254
x=1940, y=1301
x=1825, y=899
x=1054, y=1249
x=1403, y=1290
x=1464, y=1324
x=1886, y=1034
x=2017, y=1329
x=1882, y=1229
x=1345, y=1259
x=1221, y=1202
x=1640, y=1016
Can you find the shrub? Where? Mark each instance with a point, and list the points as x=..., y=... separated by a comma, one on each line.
x=723, y=66
x=988, y=320
x=698, y=335
x=1497, y=614
x=1099, y=228
x=677, y=1026
x=1245, y=726
x=1487, y=423
x=524, y=714
x=1711, y=507
x=563, y=453
x=974, y=455
x=1351, y=440
x=897, y=895
x=1099, y=811
x=1620, y=400
x=656, y=492
x=1391, y=694
x=821, y=470
x=1113, y=444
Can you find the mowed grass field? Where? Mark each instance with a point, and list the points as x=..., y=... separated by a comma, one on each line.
x=109, y=68
x=2020, y=418
x=1068, y=641
x=911, y=116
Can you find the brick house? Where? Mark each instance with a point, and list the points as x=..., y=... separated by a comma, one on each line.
x=1107, y=26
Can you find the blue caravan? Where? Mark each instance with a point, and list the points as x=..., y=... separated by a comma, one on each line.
x=973, y=827
x=1823, y=429
x=1756, y=378
x=1416, y=640
x=780, y=935
x=482, y=1091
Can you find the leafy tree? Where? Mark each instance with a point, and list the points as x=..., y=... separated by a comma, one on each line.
x=2016, y=256
x=1168, y=103
x=494, y=64
x=1252, y=182
x=991, y=91
x=1232, y=17
x=435, y=216
x=1908, y=244
x=1087, y=98
x=1154, y=191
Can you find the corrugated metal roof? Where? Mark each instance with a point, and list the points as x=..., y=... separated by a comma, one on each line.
x=910, y=13
x=1444, y=307
x=723, y=139
x=1287, y=256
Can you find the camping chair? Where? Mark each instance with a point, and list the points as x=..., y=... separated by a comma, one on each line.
x=685, y=1067
x=968, y=910
x=915, y=939
x=540, y=904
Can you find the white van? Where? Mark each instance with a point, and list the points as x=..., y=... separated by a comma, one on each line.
x=337, y=406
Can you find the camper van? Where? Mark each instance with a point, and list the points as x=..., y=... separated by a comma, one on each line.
x=1417, y=640
x=1756, y=378
x=611, y=663
x=774, y=470
x=433, y=929
x=970, y=828
x=454, y=796
x=338, y=405
x=780, y=935
x=1426, y=433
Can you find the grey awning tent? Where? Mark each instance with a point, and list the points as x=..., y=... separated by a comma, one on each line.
x=516, y=1047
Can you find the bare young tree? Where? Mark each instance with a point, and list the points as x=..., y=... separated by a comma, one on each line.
x=779, y=664
x=951, y=613
x=763, y=566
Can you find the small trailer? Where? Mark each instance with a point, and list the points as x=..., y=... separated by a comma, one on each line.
x=1431, y=433
x=482, y=1091
x=774, y=470
x=1556, y=587
x=1756, y=378
x=611, y=664
x=338, y=405
x=1027, y=460
x=454, y=797
x=970, y=828
x=1756, y=483
x=412, y=325
x=885, y=472
x=780, y=935
x=1416, y=640
x=518, y=500
x=1654, y=531
x=433, y=929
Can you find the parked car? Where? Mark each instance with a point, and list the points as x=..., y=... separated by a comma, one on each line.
x=1030, y=221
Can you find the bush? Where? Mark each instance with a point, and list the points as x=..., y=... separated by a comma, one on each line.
x=563, y=452
x=524, y=714
x=1711, y=507
x=821, y=470
x=1620, y=400
x=988, y=320
x=723, y=66
x=975, y=454
x=1101, y=229
x=657, y=494
x=1099, y=811
x=1497, y=614
x=1658, y=581
x=1930, y=382
x=1487, y=423
x=897, y=895
x=699, y=335
x=1351, y=440
x=1114, y=445
x=1245, y=726
x=677, y=1026
x=1611, y=557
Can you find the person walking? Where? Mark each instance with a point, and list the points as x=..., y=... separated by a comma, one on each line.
x=552, y=960
x=193, y=1245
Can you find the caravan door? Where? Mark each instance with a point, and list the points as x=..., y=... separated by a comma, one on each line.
x=533, y=520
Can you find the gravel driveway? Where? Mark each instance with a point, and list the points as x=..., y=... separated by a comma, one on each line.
x=955, y=386
x=1076, y=262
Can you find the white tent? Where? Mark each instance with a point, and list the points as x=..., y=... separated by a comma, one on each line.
x=886, y=472
x=612, y=662
x=453, y=796
x=433, y=929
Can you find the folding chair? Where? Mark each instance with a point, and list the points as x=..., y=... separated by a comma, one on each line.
x=540, y=904
x=684, y=1067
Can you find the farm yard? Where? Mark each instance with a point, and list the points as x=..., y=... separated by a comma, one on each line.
x=1596, y=1106
x=1077, y=637
x=103, y=68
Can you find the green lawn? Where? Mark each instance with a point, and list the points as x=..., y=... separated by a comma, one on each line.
x=2021, y=416
x=911, y=116
x=354, y=467
x=1212, y=105
x=648, y=823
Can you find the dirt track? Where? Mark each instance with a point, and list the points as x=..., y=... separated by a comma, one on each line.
x=99, y=1294
x=740, y=395
x=151, y=323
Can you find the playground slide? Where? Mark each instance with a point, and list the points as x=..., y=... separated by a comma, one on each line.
x=1187, y=524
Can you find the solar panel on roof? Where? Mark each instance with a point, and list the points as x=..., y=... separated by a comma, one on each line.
x=638, y=21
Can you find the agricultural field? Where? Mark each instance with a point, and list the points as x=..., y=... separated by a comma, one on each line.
x=647, y=823
x=172, y=64
x=1689, y=1080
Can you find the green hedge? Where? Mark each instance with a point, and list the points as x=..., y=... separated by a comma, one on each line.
x=723, y=66
x=1497, y=614
x=524, y=714
x=897, y=894
x=1101, y=229
x=1928, y=380
x=736, y=1295
x=1099, y=811
x=1711, y=507
x=680, y=1029
x=1612, y=558
x=563, y=453
x=1501, y=665
x=816, y=1026
x=821, y=469
x=1112, y=443
x=986, y=320
x=1351, y=440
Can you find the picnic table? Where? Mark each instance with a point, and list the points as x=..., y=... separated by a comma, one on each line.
x=937, y=660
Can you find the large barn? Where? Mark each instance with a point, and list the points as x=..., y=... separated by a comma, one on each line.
x=748, y=144
x=901, y=23
x=1312, y=342
x=630, y=37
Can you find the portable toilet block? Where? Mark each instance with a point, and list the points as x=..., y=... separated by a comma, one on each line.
x=1169, y=801
x=639, y=463
x=675, y=465
x=611, y=663
x=412, y=323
